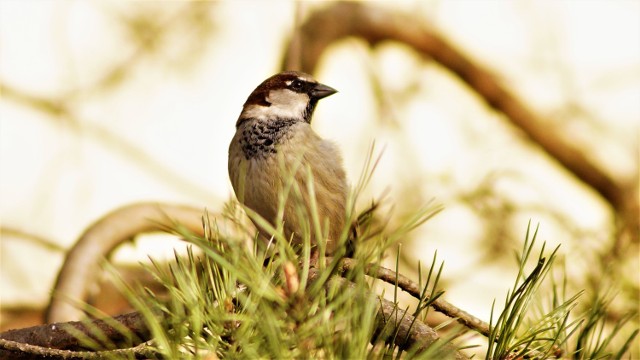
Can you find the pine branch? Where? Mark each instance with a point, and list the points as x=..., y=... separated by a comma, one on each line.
x=406, y=331
x=412, y=288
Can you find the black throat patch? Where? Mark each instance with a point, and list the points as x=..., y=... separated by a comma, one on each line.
x=259, y=138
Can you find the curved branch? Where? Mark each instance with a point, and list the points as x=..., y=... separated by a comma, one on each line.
x=80, y=268
x=376, y=24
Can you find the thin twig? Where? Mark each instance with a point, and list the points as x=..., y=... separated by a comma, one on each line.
x=20, y=351
x=407, y=331
x=414, y=290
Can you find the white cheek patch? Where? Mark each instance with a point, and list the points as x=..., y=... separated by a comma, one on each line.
x=287, y=104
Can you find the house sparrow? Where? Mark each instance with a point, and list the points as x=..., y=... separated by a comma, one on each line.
x=274, y=137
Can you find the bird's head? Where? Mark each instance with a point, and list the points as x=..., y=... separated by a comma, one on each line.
x=290, y=95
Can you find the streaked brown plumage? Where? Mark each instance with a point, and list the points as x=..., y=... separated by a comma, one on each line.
x=274, y=137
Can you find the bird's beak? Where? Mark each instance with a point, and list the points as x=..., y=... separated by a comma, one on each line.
x=321, y=91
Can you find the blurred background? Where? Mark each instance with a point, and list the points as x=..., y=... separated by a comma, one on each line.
x=105, y=103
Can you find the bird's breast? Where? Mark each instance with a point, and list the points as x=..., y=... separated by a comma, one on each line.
x=263, y=158
x=260, y=139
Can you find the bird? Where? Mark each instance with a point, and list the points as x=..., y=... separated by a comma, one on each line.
x=274, y=143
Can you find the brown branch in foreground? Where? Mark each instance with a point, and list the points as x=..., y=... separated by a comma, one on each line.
x=54, y=341
x=440, y=305
x=80, y=268
x=412, y=288
x=376, y=24
x=20, y=351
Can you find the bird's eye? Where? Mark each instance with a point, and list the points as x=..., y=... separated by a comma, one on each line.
x=296, y=85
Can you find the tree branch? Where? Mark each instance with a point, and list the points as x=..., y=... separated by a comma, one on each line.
x=376, y=24
x=404, y=330
x=57, y=341
x=412, y=288
x=80, y=268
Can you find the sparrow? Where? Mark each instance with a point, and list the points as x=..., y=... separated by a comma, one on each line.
x=273, y=144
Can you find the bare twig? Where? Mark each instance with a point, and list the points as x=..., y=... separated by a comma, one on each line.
x=20, y=351
x=414, y=290
x=64, y=110
x=31, y=237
